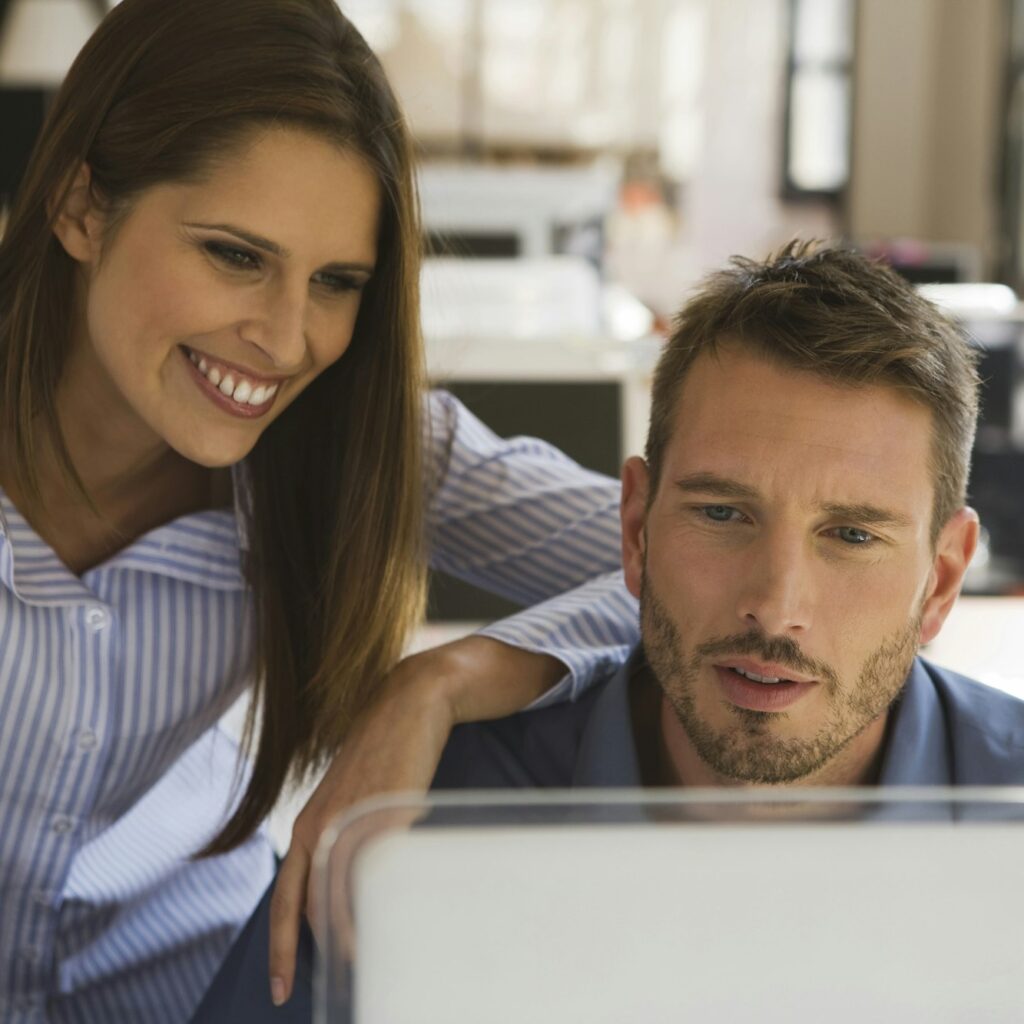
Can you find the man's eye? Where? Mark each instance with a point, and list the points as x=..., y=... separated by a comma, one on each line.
x=242, y=259
x=853, y=535
x=718, y=513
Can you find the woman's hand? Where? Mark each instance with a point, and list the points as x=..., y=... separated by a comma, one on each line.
x=395, y=745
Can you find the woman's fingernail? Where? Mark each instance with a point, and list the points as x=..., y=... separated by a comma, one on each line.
x=277, y=991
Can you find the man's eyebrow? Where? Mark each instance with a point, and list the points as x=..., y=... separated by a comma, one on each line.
x=723, y=487
x=709, y=483
x=259, y=242
x=869, y=515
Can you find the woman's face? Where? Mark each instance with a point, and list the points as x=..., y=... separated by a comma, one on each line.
x=212, y=305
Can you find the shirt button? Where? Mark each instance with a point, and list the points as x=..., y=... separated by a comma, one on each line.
x=87, y=740
x=97, y=619
x=42, y=898
x=62, y=824
x=30, y=955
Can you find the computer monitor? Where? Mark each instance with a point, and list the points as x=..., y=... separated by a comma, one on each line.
x=839, y=908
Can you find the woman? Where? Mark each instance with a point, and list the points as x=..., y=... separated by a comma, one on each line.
x=211, y=475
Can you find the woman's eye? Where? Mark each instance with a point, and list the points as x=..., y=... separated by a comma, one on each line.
x=339, y=282
x=853, y=535
x=719, y=513
x=241, y=259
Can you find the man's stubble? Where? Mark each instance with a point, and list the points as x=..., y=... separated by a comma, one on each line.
x=748, y=751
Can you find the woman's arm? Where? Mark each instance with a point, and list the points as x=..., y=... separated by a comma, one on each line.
x=519, y=518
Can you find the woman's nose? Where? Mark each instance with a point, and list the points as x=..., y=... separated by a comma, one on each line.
x=278, y=330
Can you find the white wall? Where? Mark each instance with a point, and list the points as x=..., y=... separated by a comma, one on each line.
x=927, y=120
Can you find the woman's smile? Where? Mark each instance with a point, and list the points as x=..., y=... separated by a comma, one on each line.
x=229, y=389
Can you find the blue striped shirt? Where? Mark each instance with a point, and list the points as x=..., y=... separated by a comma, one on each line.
x=113, y=769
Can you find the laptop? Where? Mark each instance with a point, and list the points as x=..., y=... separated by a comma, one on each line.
x=507, y=911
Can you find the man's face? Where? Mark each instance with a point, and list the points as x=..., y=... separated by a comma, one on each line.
x=785, y=567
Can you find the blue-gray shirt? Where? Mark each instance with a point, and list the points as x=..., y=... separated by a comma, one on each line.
x=945, y=730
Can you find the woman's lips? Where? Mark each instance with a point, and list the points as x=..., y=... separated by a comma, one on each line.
x=745, y=693
x=242, y=410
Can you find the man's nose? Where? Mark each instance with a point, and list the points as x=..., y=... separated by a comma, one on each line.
x=777, y=592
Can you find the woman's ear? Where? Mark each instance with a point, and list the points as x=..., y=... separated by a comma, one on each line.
x=633, y=511
x=78, y=222
x=953, y=553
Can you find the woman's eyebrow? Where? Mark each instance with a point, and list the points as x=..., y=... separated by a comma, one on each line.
x=259, y=242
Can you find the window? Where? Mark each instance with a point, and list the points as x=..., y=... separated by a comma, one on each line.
x=818, y=111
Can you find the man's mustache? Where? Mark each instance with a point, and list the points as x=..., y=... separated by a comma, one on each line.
x=780, y=650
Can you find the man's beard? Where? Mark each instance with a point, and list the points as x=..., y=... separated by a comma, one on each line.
x=747, y=751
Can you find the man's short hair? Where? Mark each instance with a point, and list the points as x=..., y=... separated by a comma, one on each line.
x=852, y=321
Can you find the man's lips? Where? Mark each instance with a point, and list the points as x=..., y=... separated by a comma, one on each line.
x=743, y=692
x=764, y=669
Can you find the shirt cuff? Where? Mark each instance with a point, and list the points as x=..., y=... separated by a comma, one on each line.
x=591, y=629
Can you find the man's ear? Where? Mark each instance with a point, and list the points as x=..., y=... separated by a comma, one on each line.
x=78, y=222
x=635, y=481
x=953, y=553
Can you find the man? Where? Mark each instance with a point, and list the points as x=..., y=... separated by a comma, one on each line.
x=797, y=531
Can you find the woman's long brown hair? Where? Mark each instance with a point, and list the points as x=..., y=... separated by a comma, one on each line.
x=334, y=561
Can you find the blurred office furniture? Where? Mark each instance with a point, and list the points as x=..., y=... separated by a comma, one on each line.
x=540, y=347
x=517, y=210
x=603, y=906
x=924, y=263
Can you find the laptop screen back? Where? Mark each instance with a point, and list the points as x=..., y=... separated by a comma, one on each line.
x=915, y=921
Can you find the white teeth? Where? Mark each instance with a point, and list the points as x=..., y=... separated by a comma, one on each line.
x=755, y=677
x=245, y=392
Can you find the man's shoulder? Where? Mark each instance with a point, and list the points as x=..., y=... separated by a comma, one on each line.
x=531, y=749
x=986, y=728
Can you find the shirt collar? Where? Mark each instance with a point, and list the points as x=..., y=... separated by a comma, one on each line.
x=916, y=751
x=200, y=548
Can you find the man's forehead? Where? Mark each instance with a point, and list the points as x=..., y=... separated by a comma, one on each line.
x=742, y=417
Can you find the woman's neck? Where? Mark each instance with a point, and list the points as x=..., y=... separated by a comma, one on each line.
x=131, y=493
